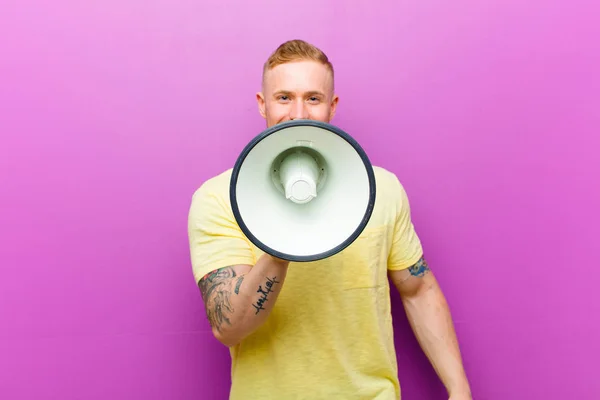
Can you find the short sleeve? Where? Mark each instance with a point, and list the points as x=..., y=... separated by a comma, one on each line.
x=215, y=238
x=406, y=246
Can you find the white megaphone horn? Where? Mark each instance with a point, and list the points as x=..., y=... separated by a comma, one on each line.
x=302, y=190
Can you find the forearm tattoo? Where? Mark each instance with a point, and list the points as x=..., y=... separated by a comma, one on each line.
x=216, y=289
x=420, y=268
x=264, y=294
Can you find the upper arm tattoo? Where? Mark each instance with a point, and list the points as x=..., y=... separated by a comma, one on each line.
x=420, y=268
x=412, y=280
x=216, y=288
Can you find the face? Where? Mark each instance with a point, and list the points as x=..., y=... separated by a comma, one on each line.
x=297, y=90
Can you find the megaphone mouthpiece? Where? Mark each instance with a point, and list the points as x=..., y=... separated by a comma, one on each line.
x=299, y=173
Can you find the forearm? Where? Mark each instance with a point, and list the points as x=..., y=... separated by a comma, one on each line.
x=429, y=316
x=238, y=303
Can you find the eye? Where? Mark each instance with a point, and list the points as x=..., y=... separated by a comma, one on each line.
x=313, y=99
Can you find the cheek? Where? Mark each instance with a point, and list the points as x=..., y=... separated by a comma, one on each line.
x=320, y=112
x=277, y=111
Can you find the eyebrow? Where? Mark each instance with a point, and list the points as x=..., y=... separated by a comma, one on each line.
x=310, y=93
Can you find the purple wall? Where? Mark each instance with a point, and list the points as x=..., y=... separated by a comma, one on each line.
x=113, y=112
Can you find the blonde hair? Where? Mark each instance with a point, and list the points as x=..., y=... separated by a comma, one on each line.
x=296, y=50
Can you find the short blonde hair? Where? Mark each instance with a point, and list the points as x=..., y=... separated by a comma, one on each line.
x=296, y=50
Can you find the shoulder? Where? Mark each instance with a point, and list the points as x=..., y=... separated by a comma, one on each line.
x=384, y=176
x=218, y=184
x=391, y=200
x=212, y=192
x=388, y=184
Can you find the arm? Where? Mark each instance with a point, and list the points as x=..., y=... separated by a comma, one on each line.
x=430, y=320
x=238, y=291
x=239, y=298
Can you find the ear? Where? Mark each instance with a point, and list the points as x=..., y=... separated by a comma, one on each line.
x=260, y=99
x=334, y=103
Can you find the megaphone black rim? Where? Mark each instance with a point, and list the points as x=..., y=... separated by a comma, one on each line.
x=313, y=257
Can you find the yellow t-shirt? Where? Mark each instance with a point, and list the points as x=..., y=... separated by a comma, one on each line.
x=329, y=335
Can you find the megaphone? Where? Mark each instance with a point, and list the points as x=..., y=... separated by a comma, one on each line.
x=302, y=190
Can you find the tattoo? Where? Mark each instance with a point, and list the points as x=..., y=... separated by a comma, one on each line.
x=238, y=284
x=264, y=294
x=215, y=288
x=420, y=268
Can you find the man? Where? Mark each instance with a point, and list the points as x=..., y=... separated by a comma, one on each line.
x=318, y=330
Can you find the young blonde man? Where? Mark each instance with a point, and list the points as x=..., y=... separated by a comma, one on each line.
x=320, y=330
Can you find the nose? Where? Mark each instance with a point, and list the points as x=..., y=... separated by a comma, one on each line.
x=298, y=110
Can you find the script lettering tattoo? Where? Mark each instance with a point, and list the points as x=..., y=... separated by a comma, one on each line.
x=215, y=288
x=264, y=294
x=420, y=268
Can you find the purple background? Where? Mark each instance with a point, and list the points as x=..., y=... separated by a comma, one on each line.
x=113, y=112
